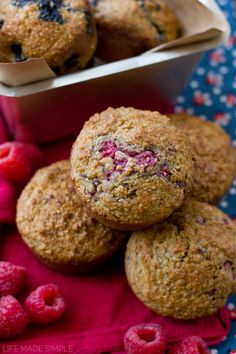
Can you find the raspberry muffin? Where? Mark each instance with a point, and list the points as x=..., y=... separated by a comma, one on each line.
x=61, y=31
x=129, y=27
x=55, y=226
x=184, y=267
x=215, y=158
x=131, y=168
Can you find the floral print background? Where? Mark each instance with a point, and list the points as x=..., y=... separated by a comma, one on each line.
x=211, y=94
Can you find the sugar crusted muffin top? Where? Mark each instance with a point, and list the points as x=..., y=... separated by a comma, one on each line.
x=56, y=227
x=130, y=167
x=184, y=267
x=215, y=158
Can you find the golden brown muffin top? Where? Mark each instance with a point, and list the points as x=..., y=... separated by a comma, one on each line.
x=61, y=31
x=214, y=155
x=184, y=267
x=55, y=226
x=130, y=27
x=131, y=166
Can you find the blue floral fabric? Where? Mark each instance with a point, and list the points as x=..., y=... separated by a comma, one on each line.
x=211, y=94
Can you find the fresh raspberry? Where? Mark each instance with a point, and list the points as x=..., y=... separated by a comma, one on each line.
x=12, y=278
x=108, y=149
x=191, y=345
x=45, y=304
x=232, y=314
x=145, y=339
x=18, y=161
x=13, y=317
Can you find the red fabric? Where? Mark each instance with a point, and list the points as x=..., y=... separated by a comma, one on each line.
x=3, y=129
x=100, y=305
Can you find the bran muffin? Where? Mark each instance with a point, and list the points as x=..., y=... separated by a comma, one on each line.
x=131, y=168
x=215, y=158
x=61, y=31
x=130, y=27
x=184, y=267
x=55, y=226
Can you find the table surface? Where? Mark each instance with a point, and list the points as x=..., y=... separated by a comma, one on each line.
x=211, y=94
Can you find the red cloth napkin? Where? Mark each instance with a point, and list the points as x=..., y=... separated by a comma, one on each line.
x=100, y=305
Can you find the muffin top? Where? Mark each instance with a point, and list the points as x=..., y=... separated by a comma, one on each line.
x=137, y=25
x=55, y=226
x=215, y=158
x=184, y=267
x=61, y=31
x=131, y=167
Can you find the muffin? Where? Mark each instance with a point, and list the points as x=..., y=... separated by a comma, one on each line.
x=131, y=168
x=62, y=32
x=184, y=267
x=55, y=226
x=129, y=27
x=215, y=158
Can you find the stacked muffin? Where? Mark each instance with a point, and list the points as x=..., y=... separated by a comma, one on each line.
x=64, y=32
x=140, y=171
